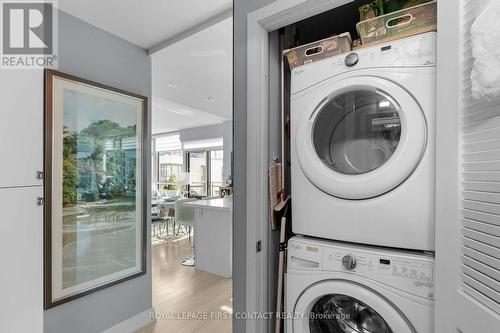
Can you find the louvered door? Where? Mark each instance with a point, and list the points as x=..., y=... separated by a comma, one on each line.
x=467, y=182
x=480, y=277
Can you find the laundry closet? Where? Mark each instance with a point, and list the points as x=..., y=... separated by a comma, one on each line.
x=374, y=159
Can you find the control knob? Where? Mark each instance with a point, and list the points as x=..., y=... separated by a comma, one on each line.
x=351, y=59
x=349, y=262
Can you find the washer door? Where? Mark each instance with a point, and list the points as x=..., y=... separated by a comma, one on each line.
x=339, y=306
x=362, y=137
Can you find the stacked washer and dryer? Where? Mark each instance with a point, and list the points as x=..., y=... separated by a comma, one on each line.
x=363, y=168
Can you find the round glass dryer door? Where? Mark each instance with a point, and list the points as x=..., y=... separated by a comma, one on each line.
x=339, y=306
x=356, y=132
x=361, y=138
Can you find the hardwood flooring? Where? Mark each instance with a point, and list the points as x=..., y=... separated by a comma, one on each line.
x=180, y=292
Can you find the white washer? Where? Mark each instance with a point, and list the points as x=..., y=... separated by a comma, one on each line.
x=363, y=145
x=334, y=287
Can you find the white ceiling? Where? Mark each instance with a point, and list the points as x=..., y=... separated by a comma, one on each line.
x=169, y=116
x=200, y=67
x=145, y=22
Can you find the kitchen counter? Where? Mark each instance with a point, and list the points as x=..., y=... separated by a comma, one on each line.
x=213, y=235
x=218, y=203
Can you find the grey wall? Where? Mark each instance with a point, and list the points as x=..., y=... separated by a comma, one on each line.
x=200, y=133
x=241, y=9
x=94, y=54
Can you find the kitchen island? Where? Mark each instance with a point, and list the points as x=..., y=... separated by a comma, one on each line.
x=213, y=236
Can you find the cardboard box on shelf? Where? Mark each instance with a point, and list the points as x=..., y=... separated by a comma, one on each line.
x=391, y=6
x=400, y=24
x=371, y=10
x=319, y=50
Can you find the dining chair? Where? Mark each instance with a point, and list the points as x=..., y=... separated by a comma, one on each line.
x=166, y=216
x=185, y=215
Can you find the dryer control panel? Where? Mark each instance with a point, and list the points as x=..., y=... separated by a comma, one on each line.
x=407, y=271
x=417, y=51
x=412, y=53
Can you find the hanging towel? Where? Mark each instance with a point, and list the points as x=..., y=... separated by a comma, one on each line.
x=274, y=191
x=485, y=34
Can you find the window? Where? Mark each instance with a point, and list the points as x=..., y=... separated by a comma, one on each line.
x=202, y=159
x=206, y=172
x=203, y=144
x=169, y=167
x=198, y=173
x=216, y=171
x=168, y=143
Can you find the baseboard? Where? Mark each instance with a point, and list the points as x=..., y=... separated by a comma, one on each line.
x=133, y=323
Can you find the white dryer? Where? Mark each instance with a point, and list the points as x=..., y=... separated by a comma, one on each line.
x=334, y=287
x=363, y=145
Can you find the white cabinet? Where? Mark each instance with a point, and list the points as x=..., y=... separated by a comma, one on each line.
x=214, y=241
x=21, y=258
x=21, y=127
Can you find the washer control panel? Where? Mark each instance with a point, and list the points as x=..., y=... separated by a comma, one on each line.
x=408, y=271
x=402, y=272
x=405, y=269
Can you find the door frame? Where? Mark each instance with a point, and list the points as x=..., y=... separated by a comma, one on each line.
x=259, y=24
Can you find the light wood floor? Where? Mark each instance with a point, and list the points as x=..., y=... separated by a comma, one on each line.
x=179, y=291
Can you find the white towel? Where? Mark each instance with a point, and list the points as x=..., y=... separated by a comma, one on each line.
x=485, y=34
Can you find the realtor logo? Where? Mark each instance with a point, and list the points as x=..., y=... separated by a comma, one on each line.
x=28, y=30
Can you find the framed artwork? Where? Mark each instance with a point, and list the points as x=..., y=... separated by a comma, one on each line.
x=94, y=184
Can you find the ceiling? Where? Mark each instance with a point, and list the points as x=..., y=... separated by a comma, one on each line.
x=192, y=80
x=145, y=23
x=169, y=116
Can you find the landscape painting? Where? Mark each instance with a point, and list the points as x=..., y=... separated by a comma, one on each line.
x=96, y=214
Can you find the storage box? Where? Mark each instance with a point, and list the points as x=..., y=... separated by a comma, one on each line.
x=371, y=10
x=322, y=49
x=400, y=24
x=396, y=5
